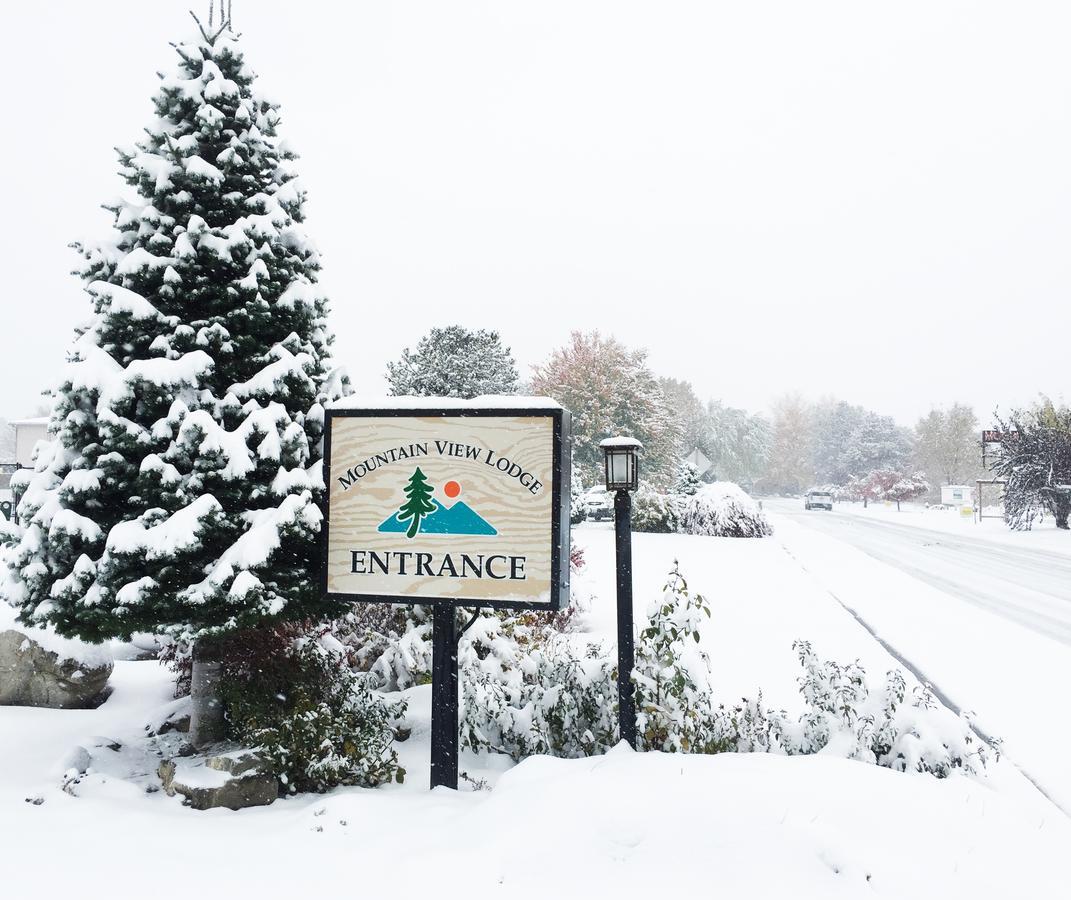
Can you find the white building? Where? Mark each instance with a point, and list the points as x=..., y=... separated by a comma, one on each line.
x=27, y=433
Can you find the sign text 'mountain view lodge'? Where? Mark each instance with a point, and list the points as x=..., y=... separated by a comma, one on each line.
x=464, y=503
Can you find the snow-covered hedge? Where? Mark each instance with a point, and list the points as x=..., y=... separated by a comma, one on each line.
x=722, y=509
x=849, y=716
x=561, y=699
x=656, y=513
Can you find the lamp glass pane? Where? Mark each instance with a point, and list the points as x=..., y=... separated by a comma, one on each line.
x=619, y=468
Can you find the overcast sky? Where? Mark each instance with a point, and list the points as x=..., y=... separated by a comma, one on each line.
x=865, y=200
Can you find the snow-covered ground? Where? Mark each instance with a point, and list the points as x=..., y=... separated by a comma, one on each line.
x=1024, y=577
x=1011, y=676
x=628, y=825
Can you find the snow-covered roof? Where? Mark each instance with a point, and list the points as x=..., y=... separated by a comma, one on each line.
x=620, y=442
x=39, y=420
x=491, y=401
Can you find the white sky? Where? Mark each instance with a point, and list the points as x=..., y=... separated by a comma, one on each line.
x=859, y=199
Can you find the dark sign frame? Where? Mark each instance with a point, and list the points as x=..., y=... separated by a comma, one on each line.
x=560, y=525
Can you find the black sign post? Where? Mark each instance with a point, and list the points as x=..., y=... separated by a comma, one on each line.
x=505, y=545
x=622, y=477
x=626, y=651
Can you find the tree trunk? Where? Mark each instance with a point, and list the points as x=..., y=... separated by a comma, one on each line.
x=206, y=708
x=1062, y=510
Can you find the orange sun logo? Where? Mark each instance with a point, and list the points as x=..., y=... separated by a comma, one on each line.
x=451, y=489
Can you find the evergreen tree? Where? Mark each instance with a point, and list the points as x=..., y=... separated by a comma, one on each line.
x=688, y=481
x=418, y=502
x=179, y=491
x=454, y=362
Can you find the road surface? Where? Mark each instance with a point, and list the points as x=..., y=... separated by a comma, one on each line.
x=1027, y=586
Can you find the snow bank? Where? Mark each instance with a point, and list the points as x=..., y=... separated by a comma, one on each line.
x=624, y=825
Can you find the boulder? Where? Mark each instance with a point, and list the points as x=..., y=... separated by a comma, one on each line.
x=233, y=780
x=58, y=675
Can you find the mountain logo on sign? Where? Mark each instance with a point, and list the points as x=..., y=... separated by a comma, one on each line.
x=422, y=513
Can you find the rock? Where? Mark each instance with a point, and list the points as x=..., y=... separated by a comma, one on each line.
x=77, y=760
x=31, y=675
x=233, y=780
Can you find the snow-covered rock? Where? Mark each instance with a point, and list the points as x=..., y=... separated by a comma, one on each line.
x=33, y=675
x=233, y=780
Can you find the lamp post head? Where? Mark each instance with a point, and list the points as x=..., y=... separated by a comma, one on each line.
x=622, y=463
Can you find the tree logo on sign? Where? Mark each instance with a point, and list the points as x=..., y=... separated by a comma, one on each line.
x=422, y=513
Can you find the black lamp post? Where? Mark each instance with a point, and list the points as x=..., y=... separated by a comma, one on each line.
x=622, y=476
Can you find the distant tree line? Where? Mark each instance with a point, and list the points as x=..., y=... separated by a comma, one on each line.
x=855, y=452
x=610, y=390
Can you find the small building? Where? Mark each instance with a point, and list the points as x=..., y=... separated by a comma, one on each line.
x=27, y=433
x=956, y=495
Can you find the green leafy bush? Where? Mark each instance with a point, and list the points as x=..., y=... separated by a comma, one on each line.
x=318, y=722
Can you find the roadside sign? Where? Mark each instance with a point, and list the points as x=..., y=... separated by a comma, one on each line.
x=452, y=504
x=467, y=506
x=994, y=438
x=699, y=459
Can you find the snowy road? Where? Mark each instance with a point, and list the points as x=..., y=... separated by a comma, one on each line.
x=1031, y=587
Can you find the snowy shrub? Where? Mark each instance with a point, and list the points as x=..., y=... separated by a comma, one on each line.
x=318, y=722
x=845, y=717
x=1034, y=459
x=561, y=703
x=395, y=643
x=674, y=702
x=655, y=513
x=576, y=499
x=722, y=509
x=561, y=700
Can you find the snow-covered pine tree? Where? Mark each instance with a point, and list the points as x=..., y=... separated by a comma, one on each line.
x=179, y=492
x=688, y=480
x=454, y=362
